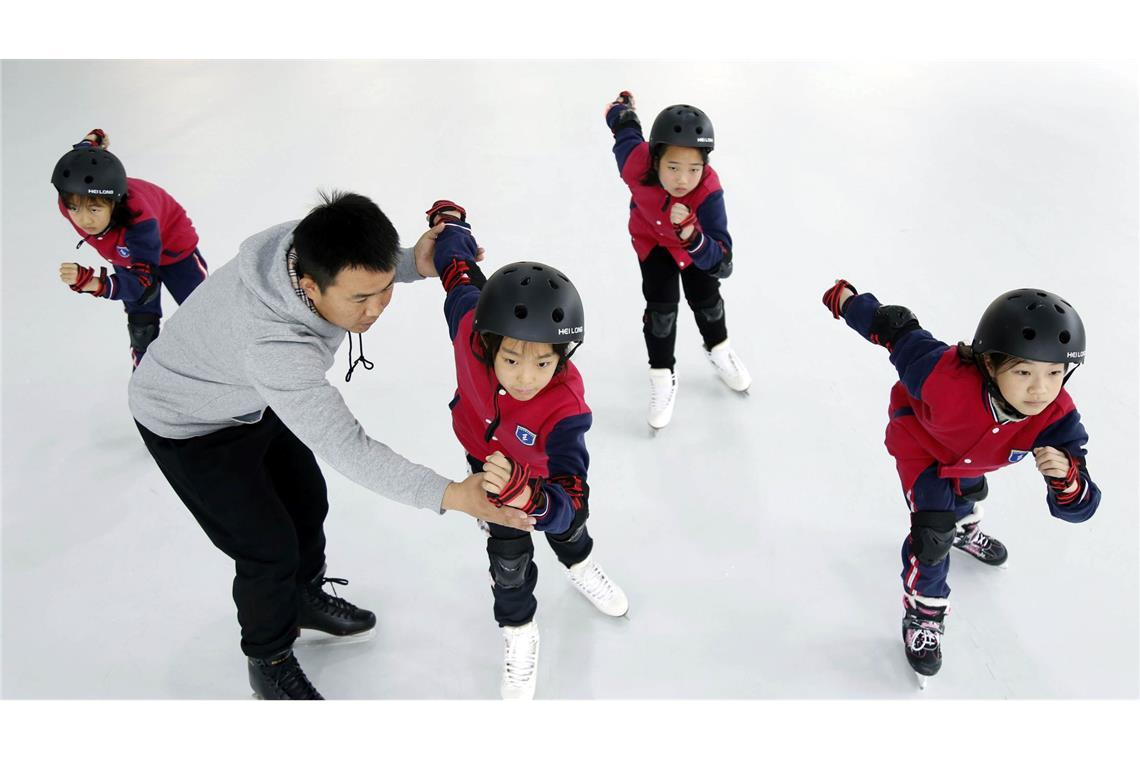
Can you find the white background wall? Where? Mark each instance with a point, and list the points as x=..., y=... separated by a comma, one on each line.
x=757, y=539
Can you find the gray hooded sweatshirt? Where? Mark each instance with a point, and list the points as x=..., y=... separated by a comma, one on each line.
x=245, y=340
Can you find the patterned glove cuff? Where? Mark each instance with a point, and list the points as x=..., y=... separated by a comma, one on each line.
x=834, y=295
x=1060, y=485
x=441, y=206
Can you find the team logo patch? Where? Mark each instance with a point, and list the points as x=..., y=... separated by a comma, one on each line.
x=1016, y=455
x=123, y=251
x=525, y=436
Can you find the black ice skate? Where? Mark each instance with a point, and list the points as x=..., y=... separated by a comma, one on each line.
x=922, y=630
x=329, y=613
x=280, y=677
x=988, y=549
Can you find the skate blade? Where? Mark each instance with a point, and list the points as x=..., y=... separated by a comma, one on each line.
x=922, y=680
x=313, y=638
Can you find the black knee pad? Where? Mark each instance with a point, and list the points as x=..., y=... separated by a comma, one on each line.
x=571, y=536
x=660, y=319
x=143, y=329
x=978, y=492
x=709, y=312
x=510, y=558
x=932, y=535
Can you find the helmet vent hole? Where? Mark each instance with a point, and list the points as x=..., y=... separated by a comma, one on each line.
x=525, y=281
x=66, y=173
x=1015, y=295
x=557, y=315
x=88, y=179
x=1029, y=333
x=1042, y=295
x=564, y=278
x=1064, y=336
x=536, y=268
x=94, y=162
x=553, y=284
x=1032, y=306
x=512, y=269
x=1059, y=309
x=677, y=128
x=520, y=311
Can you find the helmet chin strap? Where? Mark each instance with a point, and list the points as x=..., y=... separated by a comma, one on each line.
x=1069, y=374
x=995, y=392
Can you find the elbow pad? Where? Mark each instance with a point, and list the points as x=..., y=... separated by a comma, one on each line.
x=891, y=323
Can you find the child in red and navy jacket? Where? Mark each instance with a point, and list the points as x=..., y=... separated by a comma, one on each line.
x=679, y=230
x=136, y=226
x=959, y=412
x=520, y=413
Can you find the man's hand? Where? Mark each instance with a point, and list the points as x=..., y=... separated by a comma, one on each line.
x=424, y=251
x=470, y=498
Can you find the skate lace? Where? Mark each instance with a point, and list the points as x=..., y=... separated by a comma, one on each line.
x=924, y=637
x=660, y=393
x=293, y=681
x=593, y=583
x=333, y=604
x=521, y=658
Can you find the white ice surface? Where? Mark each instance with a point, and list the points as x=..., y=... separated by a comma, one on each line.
x=758, y=538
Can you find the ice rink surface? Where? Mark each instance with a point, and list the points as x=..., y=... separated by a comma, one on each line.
x=758, y=539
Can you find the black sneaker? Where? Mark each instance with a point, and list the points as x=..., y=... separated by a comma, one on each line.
x=329, y=613
x=980, y=546
x=280, y=677
x=922, y=630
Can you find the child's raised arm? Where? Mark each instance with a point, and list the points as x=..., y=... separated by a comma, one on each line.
x=621, y=118
x=914, y=351
x=455, y=259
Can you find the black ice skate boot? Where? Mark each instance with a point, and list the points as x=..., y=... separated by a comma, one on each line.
x=280, y=677
x=988, y=549
x=329, y=613
x=922, y=630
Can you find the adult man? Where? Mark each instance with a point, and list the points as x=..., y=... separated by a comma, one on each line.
x=232, y=403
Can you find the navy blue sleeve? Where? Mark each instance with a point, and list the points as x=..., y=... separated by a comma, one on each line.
x=1068, y=435
x=565, y=488
x=627, y=137
x=138, y=281
x=711, y=241
x=454, y=256
x=914, y=355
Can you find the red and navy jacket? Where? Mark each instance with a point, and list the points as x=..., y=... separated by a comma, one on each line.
x=649, y=223
x=941, y=413
x=548, y=432
x=161, y=234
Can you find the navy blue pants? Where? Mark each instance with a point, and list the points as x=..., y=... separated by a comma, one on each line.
x=515, y=603
x=930, y=493
x=180, y=278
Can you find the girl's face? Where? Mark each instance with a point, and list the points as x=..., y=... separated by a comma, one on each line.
x=1029, y=386
x=92, y=215
x=524, y=368
x=680, y=170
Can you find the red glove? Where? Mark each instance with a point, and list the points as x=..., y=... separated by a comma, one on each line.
x=691, y=219
x=85, y=276
x=1060, y=485
x=519, y=480
x=834, y=295
x=441, y=206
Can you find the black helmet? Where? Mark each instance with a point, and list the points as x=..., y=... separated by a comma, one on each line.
x=90, y=171
x=1032, y=324
x=532, y=302
x=686, y=126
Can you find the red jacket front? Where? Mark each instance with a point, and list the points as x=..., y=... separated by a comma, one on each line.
x=161, y=234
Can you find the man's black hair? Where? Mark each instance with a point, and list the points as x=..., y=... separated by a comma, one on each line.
x=347, y=230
